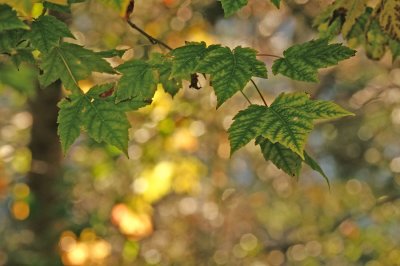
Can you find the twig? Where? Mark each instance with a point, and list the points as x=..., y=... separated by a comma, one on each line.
x=148, y=36
x=259, y=92
x=245, y=96
x=270, y=55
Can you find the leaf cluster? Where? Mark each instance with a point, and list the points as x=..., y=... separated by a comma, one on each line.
x=281, y=129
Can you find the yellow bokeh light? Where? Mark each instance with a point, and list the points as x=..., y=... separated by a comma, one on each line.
x=20, y=210
x=100, y=250
x=67, y=241
x=131, y=224
x=78, y=255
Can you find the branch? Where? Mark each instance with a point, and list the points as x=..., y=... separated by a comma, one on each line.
x=259, y=92
x=270, y=55
x=148, y=36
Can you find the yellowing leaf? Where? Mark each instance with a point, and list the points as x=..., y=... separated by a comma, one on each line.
x=389, y=18
x=354, y=9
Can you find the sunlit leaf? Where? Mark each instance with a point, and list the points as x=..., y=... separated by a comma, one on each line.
x=71, y=63
x=231, y=70
x=247, y=124
x=47, y=31
x=354, y=9
x=389, y=18
x=287, y=121
x=320, y=109
x=302, y=61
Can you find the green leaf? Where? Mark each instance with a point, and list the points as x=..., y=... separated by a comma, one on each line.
x=69, y=121
x=231, y=6
x=287, y=160
x=10, y=39
x=9, y=19
x=231, y=70
x=319, y=109
x=247, y=124
x=104, y=122
x=276, y=3
x=47, y=32
x=22, y=56
x=186, y=58
x=282, y=157
x=286, y=123
x=71, y=63
x=106, y=92
x=315, y=166
x=164, y=66
x=101, y=118
x=302, y=61
x=138, y=81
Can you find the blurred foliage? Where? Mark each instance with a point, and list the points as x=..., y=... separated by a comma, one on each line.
x=180, y=199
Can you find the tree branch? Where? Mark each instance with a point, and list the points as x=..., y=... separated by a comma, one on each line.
x=259, y=92
x=148, y=36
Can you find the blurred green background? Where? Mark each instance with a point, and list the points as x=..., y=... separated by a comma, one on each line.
x=180, y=199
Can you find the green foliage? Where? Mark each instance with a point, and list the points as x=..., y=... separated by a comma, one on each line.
x=288, y=121
x=164, y=66
x=71, y=63
x=46, y=33
x=98, y=115
x=282, y=157
x=281, y=129
x=302, y=61
x=9, y=19
x=138, y=81
x=186, y=59
x=231, y=70
x=376, y=28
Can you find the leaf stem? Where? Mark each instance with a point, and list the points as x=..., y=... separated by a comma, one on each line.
x=270, y=55
x=245, y=96
x=259, y=92
x=148, y=36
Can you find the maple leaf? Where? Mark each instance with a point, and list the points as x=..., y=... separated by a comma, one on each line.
x=302, y=61
x=71, y=63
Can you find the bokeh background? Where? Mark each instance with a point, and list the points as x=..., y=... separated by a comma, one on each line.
x=180, y=199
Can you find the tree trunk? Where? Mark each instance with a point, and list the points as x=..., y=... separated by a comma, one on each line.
x=45, y=176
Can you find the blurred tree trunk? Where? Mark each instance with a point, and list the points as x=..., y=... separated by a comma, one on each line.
x=45, y=176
